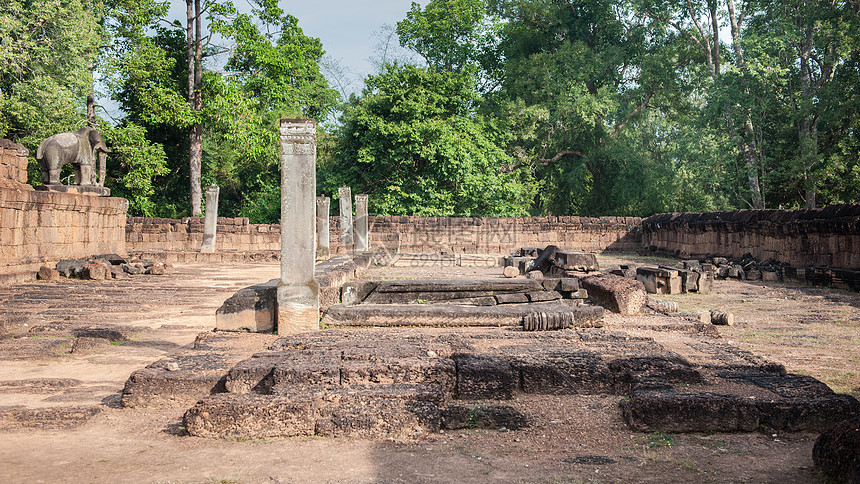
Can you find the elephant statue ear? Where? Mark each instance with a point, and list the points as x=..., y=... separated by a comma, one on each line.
x=97, y=142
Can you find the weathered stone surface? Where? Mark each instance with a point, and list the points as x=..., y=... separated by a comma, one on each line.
x=668, y=411
x=576, y=261
x=251, y=309
x=251, y=416
x=48, y=274
x=110, y=333
x=422, y=297
x=484, y=377
x=500, y=285
x=512, y=298
x=511, y=272
x=113, y=259
x=615, y=293
x=71, y=268
x=433, y=314
x=542, y=296
x=568, y=284
x=400, y=412
x=564, y=373
x=355, y=292
x=156, y=269
x=535, y=275
x=50, y=418
x=836, y=452
x=722, y=318
x=158, y=385
x=86, y=344
x=482, y=416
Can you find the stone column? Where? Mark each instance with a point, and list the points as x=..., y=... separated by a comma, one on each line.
x=323, y=251
x=346, y=241
x=298, y=291
x=210, y=222
x=362, y=237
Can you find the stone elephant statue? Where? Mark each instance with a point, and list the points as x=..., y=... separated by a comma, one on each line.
x=83, y=148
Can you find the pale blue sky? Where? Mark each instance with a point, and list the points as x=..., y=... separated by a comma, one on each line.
x=345, y=27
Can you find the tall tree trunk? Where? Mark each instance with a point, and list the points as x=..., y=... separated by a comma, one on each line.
x=91, y=100
x=194, y=53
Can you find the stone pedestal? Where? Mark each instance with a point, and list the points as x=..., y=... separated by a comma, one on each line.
x=79, y=189
x=298, y=291
x=346, y=240
x=323, y=251
x=362, y=241
x=210, y=223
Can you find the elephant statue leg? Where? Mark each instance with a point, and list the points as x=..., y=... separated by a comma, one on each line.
x=102, y=168
x=84, y=174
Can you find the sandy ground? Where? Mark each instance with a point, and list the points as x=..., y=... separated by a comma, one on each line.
x=60, y=420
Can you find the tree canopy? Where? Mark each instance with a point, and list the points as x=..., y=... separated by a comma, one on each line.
x=590, y=107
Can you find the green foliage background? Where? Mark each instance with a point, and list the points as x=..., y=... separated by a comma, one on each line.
x=589, y=107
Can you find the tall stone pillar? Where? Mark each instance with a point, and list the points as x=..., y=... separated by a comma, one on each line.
x=210, y=222
x=298, y=291
x=323, y=251
x=362, y=237
x=346, y=241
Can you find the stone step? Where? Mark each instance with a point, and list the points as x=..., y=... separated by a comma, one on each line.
x=396, y=411
x=451, y=315
x=449, y=285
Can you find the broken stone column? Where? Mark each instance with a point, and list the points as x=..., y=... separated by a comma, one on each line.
x=362, y=240
x=323, y=251
x=210, y=222
x=298, y=291
x=345, y=194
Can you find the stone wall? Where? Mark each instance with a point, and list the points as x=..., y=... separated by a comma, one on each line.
x=40, y=228
x=168, y=234
x=402, y=234
x=818, y=237
x=13, y=165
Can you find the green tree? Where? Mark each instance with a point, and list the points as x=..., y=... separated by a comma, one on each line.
x=415, y=144
x=47, y=50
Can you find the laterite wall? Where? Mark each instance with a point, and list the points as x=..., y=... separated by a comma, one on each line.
x=402, y=234
x=819, y=237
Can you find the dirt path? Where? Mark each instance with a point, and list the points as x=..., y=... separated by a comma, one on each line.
x=60, y=420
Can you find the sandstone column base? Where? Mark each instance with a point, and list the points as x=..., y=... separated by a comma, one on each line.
x=298, y=307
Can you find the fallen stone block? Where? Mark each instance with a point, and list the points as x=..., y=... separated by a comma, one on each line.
x=576, y=261
x=71, y=268
x=615, y=293
x=252, y=309
x=511, y=272
x=112, y=259
x=93, y=272
x=722, y=318
x=48, y=274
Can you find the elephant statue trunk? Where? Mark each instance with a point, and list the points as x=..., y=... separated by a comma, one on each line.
x=84, y=148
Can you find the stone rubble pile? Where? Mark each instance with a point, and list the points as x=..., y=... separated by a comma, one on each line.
x=101, y=267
